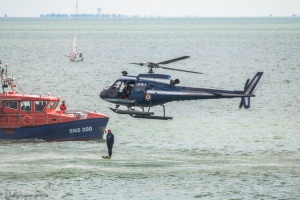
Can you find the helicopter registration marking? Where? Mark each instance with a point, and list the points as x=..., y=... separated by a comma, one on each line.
x=148, y=97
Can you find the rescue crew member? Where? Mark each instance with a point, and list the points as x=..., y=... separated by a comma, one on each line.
x=129, y=88
x=110, y=138
x=125, y=91
x=63, y=106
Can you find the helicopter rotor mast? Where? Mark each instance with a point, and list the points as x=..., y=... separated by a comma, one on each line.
x=152, y=65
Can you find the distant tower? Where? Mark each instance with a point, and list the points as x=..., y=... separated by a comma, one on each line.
x=99, y=11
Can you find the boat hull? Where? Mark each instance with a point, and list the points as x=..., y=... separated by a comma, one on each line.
x=76, y=59
x=86, y=129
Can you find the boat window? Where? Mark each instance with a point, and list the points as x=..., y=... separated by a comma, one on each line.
x=55, y=104
x=39, y=106
x=12, y=104
x=26, y=105
x=52, y=105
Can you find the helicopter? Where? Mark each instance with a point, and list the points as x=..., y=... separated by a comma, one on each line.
x=151, y=89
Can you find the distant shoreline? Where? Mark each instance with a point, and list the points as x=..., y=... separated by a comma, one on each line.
x=98, y=15
x=151, y=17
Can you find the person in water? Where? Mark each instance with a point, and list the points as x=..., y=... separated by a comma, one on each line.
x=110, y=138
x=63, y=106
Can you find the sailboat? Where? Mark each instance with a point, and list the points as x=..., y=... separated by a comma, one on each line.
x=74, y=55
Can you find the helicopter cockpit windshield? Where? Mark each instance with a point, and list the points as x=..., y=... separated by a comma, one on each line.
x=120, y=89
x=116, y=85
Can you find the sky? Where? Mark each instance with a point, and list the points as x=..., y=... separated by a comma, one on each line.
x=163, y=8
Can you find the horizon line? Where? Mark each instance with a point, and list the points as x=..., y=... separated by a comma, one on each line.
x=136, y=16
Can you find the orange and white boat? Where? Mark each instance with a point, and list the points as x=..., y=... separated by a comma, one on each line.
x=27, y=116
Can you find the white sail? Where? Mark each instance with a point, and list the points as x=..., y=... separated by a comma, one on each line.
x=74, y=47
x=74, y=55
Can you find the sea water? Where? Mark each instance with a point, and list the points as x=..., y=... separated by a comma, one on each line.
x=210, y=150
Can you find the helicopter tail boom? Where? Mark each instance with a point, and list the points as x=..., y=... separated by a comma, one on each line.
x=249, y=90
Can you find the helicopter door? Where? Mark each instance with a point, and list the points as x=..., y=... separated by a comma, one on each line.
x=139, y=91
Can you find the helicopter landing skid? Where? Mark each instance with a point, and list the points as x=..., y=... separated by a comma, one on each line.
x=140, y=114
x=132, y=112
x=151, y=117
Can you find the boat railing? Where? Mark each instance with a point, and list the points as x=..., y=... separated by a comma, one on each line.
x=77, y=113
x=21, y=120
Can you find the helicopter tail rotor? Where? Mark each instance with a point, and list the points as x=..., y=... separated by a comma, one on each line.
x=248, y=90
x=243, y=99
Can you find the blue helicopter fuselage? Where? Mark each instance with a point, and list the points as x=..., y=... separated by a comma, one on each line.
x=147, y=90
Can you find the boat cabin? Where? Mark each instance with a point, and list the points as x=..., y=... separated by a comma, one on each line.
x=27, y=105
x=26, y=110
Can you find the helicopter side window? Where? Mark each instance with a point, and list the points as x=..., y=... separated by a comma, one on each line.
x=140, y=87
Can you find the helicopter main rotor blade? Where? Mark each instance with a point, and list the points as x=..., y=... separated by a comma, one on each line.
x=180, y=70
x=141, y=64
x=151, y=64
x=173, y=60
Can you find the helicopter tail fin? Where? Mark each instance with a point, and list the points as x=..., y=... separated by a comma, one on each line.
x=249, y=90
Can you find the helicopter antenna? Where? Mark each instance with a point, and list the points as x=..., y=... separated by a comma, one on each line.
x=152, y=65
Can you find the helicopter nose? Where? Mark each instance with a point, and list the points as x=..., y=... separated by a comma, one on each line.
x=103, y=94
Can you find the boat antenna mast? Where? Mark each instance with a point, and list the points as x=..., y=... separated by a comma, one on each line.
x=76, y=15
x=5, y=81
x=75, y=35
